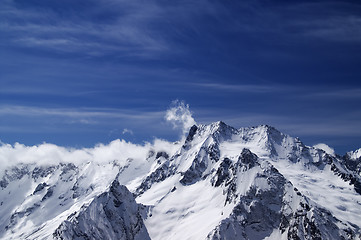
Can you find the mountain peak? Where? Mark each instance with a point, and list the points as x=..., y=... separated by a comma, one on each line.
x=354, y=155
x=110, y=210
x=217, y=130
x=267, y=129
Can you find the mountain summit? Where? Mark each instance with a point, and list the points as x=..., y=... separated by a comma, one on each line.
x=219, y=183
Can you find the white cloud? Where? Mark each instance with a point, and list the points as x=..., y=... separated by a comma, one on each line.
x=180, y=116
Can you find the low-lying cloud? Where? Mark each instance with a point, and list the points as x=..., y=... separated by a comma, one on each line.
x=50, y=154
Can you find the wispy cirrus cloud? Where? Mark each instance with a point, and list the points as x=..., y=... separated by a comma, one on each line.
x=7, y=110
x=337, y=21
x=301, y=92
x=128, y=31
x=294, y=22
x=84, y=126
x=339, y=29
x=152, y=28
x=250, y=88
x=350, y=93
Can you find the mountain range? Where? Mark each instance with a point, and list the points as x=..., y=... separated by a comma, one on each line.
x=219, y=182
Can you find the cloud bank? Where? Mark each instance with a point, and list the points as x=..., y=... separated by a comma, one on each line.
x=49, y=154
x=117, y=150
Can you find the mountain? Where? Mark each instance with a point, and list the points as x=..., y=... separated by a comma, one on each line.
x=218, y=183
x=112, y=215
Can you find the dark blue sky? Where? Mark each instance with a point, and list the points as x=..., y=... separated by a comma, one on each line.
x=76, y=73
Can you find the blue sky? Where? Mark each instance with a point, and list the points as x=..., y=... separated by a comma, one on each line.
x=76, y=73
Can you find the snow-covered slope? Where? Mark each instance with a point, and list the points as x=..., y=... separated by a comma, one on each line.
x=218, y=183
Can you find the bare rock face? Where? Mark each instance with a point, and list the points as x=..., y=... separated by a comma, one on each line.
x=112, y=215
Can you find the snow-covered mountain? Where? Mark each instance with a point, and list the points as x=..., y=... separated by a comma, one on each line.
x=218, y=183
